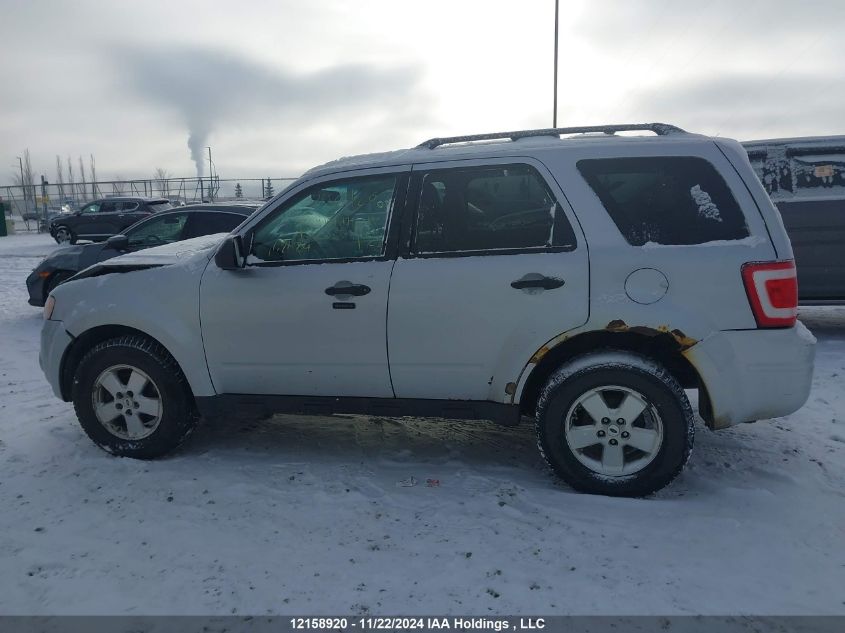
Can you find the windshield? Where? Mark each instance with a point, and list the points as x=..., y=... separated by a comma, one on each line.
x=158, y=230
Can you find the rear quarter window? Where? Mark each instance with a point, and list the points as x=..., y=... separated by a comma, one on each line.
x=211, y=223
x=666, y=200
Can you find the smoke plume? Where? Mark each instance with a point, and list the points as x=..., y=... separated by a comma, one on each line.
x=212, y=89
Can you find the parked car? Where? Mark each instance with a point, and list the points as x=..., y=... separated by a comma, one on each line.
x=163, y=228
x=805, y=178
x=584, y=282
x=100, y=219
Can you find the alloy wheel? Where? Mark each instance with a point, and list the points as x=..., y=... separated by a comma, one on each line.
x=613, y=430
x=62, y=236
x=127, y=402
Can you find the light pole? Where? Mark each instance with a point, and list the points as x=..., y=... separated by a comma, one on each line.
x=554, y=107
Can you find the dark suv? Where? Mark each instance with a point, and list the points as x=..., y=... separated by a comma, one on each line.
x=100, y=219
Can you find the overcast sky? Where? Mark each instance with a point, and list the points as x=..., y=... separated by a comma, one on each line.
x=277, y=86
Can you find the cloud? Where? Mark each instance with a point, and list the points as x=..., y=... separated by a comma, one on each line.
x=761, y=23
x=750, y=104
x=212, y=89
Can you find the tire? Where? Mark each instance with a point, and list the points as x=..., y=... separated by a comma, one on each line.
x=590, y=454
x=64, y=235
x=58, y=277
x=138, y=427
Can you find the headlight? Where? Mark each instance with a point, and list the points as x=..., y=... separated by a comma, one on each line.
x=48, y=307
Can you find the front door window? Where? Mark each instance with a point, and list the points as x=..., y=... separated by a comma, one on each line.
x=344, y=219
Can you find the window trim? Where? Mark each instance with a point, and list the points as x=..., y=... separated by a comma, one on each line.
x=395, y=213
x=412, y=212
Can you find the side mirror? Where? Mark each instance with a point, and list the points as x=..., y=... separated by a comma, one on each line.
x=118, y=243
x=230, y=254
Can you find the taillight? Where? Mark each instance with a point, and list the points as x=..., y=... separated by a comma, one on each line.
x=772, y=289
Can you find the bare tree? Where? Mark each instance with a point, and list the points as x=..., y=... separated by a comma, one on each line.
x=82, y=177
x=25, y=179
x=93, y=177
x=162, y=176
x=60, y=179
x=71, y=179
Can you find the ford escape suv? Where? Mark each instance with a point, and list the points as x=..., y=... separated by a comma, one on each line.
x=574, y=276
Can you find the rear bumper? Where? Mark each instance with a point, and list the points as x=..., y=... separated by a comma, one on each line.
x=755, y=374
x=54, y=342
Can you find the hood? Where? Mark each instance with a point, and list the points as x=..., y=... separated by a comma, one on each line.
x=169, y=253
x=74, y=257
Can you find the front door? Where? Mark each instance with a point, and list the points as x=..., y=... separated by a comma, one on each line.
x=307, y=316
x=493, y=272
x=108, y=220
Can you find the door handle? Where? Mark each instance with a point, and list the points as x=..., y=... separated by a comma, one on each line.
x=349, y=289
x=533, y=280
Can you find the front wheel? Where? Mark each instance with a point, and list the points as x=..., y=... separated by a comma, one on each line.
x=132, y=399
x=64, y=236
x=615, y=423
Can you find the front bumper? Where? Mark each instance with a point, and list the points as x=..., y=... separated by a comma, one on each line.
x=755, y=374
x=54, y=342
x=35, y=288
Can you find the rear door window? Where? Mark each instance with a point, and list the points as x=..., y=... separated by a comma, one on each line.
x=488, y=208
x=666, y=200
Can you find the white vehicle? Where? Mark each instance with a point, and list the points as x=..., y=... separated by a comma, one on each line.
x=583, y=281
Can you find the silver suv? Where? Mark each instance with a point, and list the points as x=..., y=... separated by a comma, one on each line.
x=575, y=276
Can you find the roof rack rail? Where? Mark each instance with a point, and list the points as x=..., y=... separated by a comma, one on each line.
x=661, y=129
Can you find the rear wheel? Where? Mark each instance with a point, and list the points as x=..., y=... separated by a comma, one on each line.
x=64, y=236
x=615, y=423
x=132, y=399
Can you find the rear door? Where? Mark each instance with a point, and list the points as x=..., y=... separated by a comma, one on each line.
x=494, y=267
x=130, y=212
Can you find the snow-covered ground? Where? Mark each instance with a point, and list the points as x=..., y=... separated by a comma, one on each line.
x=296, y=515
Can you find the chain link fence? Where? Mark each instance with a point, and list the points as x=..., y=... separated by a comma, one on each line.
x=35, y=204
